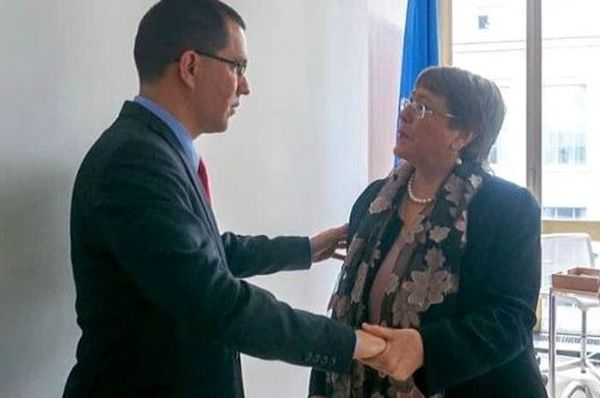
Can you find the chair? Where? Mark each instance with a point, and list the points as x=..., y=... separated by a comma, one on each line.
x=563, y=251
x=560, y=252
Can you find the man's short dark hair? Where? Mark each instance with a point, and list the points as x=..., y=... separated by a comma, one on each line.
x=476, y=101
x=172, y=27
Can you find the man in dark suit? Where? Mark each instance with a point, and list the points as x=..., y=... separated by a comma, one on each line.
x=159, y=302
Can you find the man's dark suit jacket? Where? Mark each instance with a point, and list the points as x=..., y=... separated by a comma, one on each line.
x=478, y=342
x=159, y=302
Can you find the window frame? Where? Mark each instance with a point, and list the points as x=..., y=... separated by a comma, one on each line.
x=534, y=89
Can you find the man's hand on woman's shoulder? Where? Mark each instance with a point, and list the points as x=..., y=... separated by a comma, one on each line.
x=325, y=243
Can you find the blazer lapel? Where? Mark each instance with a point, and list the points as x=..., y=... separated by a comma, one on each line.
x=154, y=123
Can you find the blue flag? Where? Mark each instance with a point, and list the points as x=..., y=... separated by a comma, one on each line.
x=421, y=48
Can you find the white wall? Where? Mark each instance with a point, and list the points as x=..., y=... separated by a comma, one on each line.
x=66, y=67
x=319, y=124
x=295, y=158
x=386, y=35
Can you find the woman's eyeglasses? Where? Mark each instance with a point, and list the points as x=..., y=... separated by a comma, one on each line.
x=421, y=110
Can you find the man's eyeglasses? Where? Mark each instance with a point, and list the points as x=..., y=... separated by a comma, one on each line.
x=238, y=67
x=420, y=109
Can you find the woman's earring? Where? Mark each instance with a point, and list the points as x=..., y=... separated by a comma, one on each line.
x=456, y=150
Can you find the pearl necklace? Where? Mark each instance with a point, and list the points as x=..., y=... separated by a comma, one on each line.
x=412, y=196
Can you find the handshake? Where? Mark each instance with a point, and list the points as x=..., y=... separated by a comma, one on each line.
x=398, y=353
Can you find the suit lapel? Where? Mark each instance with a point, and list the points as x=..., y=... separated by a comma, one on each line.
x=155, y=124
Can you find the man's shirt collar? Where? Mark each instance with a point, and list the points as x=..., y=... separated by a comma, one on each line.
x=178, y=129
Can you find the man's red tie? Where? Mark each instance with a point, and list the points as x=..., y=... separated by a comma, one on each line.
x=203, y=176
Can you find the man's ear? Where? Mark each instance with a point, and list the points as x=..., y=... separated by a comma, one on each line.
x=187, y=68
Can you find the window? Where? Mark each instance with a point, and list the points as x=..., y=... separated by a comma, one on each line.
x=498, y=53
x=484, y=23
x=564, y=213
x=493, y=157
x=564, y=131
x=489, y=37
x=570, y=102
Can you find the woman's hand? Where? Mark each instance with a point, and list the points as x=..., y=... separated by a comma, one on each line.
x=403, y=355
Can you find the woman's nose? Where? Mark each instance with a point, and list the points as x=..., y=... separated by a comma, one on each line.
x=404, y=115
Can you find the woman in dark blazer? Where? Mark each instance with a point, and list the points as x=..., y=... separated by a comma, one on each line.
x=443, y=259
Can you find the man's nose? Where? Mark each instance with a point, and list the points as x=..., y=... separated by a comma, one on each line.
x=243, y=86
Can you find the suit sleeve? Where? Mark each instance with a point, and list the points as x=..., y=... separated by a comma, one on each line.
x=260, y=255
x=498, y=329
x=316, y=384
x=144, y=212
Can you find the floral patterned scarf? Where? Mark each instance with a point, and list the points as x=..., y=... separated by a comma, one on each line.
x=429, y=277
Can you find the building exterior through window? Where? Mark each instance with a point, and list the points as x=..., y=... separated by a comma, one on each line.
x=489, y=38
